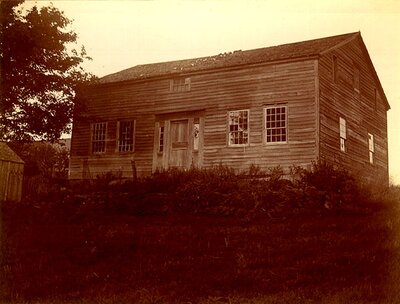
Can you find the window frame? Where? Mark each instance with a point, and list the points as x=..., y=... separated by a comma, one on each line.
x=229, y=129
x=265, y=129
x=161, y=139
x=93, y=140
x=342, y=135
x=180, y=85
x=371, y=148
x=196, y=134
x=118, y=137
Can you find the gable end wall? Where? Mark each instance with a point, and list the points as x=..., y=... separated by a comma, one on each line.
x=360, y=111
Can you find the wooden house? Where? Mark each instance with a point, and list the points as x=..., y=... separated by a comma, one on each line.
x=283, y=105
x=11, y=174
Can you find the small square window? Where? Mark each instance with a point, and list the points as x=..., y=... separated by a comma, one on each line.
x=180, y=84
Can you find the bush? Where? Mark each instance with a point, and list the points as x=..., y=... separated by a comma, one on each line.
x=222, y=191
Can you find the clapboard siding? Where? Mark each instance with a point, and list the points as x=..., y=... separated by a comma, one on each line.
x=113, y=104
x=362, y=114
x=215, y=93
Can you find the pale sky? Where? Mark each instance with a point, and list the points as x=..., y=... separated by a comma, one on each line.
x=122, y=34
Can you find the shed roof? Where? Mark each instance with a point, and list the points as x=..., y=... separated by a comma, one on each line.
x=7, y=154
x=302, y=49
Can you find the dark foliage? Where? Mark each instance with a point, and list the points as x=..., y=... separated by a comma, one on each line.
x=183, y=236
x=222, y=191
x=39, y=76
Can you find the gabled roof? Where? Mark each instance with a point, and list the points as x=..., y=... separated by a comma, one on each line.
x=302, y=49
x=7, y=154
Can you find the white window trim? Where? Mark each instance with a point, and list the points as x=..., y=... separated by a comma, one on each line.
x=342, y=134
x=265, y=124
x=371, y=148
x=248, y=128
x=92, y=128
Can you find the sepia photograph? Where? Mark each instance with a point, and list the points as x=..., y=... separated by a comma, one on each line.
x=207, y=152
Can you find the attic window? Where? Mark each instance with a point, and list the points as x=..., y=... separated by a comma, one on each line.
x=181, y=84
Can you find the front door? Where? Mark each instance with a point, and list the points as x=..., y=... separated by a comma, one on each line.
x=178, y=141
x=179, y=144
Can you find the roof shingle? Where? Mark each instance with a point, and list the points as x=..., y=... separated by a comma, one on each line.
x=286, y=51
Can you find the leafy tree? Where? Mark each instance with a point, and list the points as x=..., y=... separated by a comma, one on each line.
x=40, y=72
x=43, y=158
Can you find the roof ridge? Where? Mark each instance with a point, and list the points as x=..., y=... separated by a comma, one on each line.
x=264, y=54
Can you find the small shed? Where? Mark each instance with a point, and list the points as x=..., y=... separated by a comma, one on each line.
x=11, y=174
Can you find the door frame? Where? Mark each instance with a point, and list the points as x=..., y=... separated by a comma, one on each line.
x=161, y=159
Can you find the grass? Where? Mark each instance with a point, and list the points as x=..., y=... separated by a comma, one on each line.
x=74, y=251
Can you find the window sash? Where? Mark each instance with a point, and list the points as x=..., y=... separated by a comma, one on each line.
x=343, y=128
x=161, y=139
x=180, y=84
x=99, y=133
x=126, y=132
x=371, y=143
x=196, y=136
x=343, y=134
x=275, y=124
x=238, y=128
x=371, y=148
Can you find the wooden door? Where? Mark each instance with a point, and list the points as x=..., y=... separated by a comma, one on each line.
x=178, y=141
x=179, y=144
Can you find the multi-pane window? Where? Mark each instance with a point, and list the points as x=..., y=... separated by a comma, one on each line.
x=371, y=148
x=161, y=139
x=125, y=136
x=99, y=131
x=238, y=127
x=180, y=84
x=276, y=124
x=343, y=134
